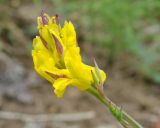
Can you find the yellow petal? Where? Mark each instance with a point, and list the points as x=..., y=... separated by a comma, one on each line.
x=38, y=45
x=68, y=35
x=103, y=74
x=60, y=86
x=78, y=70
x=41, y=65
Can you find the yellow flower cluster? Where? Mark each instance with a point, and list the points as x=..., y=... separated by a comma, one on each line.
x=57, y=57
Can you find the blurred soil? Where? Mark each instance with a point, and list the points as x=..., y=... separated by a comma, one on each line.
x=22, y=90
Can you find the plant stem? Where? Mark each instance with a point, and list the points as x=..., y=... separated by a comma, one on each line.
x=124, y=119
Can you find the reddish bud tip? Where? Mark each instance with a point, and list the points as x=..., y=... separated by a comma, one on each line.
x=57, y=18
x=44, y=18
x=58, y=45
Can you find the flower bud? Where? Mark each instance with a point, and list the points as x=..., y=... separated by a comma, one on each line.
x=58, y=45
x=44, y=19
x=44, y=42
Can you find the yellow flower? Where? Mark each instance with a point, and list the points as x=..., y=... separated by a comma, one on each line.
x=56, y=56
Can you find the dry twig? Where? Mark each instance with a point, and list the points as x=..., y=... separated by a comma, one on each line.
x=47, y=117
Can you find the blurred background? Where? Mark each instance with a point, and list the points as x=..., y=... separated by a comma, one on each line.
x=122, y=35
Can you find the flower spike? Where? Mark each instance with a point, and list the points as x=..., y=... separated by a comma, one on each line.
x=61, y=64
x=64, y=67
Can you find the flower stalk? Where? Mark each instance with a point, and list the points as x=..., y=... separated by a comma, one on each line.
x=124, y=119
x=97, y=90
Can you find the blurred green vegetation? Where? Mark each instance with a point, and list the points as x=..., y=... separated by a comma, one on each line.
x=122, y=27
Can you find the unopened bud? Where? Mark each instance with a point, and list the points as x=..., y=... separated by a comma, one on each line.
x=58, y=45
x=43, y=41
x=44, y=18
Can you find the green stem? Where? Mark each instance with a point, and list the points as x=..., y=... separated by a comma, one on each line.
x=125, y=120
